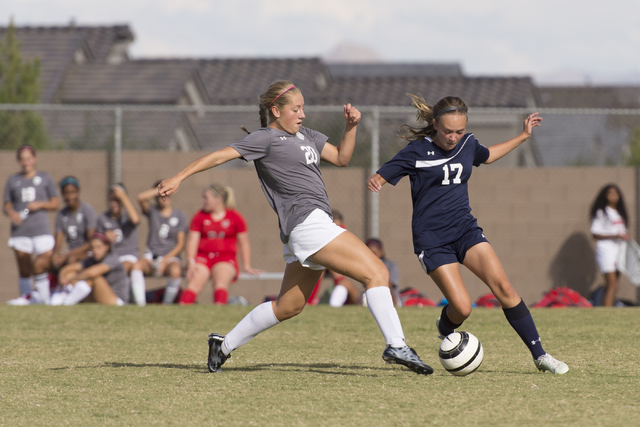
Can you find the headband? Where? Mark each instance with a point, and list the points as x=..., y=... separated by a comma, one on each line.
x=102, y=238
x=69, y=180
x=281, y=93
x=446, y=110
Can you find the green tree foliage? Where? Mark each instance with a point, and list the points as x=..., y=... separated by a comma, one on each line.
x=633, y=159
x=19, y=84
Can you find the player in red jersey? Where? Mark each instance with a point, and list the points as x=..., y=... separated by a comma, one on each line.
x=215, y=235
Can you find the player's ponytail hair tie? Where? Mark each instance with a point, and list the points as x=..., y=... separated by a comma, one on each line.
x=281, y=93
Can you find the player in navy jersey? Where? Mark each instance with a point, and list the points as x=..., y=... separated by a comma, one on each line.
x=28, y=195
x=438, y=161
x=286, y=156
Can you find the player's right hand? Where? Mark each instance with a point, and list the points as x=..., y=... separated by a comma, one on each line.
x=168, y=186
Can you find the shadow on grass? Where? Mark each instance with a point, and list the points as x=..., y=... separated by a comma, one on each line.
x=192, y=367
x=317, y=368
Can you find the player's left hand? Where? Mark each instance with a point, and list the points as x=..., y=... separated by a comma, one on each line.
x=351, y=114
x=530, y=122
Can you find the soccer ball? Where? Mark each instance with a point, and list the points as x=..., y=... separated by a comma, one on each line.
x=460, y=353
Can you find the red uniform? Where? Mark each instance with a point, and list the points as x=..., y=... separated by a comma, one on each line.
x=218, y=242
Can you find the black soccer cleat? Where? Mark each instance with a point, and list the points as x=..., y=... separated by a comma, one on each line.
x=216, y=357
x=408, y=357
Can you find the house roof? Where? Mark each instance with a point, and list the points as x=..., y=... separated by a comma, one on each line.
x=133, y=82
x=241, y=81
x=391, y=91
x=382, y=69
x=590, y=97
x=57, y=46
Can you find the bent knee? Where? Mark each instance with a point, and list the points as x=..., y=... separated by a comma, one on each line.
x=462, y=309
x=288, y=311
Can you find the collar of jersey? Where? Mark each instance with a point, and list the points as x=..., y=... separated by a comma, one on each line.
x=431, y=163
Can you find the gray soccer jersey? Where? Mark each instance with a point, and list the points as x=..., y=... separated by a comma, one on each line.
x=125, y=231
x=116, y=276
x=289, y=172
x=394, y=273
x=21, y=191
x=74, y=225
x=163, y=232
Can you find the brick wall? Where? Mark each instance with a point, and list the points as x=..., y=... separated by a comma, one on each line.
x=536, y=219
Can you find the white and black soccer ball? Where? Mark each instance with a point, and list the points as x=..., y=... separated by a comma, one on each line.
x=460, y=353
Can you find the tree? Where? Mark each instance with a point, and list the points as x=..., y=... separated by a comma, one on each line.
x=633, y=159
x=19, y=84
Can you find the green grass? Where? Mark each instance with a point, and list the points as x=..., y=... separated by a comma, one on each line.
x=90, y=365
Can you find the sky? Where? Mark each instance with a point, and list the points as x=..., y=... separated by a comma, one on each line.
x=553, y=41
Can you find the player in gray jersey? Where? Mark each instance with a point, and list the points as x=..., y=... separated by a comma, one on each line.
x=120, y=225
x=287, y=157
x=167, y=231
x=102, y=276
x=75, y=224
x=28, y=196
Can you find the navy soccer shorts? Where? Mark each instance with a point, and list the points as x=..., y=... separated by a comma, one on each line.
x=451, y=253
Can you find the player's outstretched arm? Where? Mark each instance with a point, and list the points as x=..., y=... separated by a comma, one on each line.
x=375, y=183
x=498, y=151
x=341, y=155
x=170, y=186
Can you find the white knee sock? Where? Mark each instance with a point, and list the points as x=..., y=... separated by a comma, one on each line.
x=25, y=285
x=381, y=306
x=259, y=319
x=80, y=291
x=138, y=287
x=338, y=296
x=170, y=292
x=43, y=286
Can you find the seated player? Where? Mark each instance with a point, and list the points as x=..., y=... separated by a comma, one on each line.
x=215, y=235
x=102, y=276
x=167, y=231
x=120, y=225
x=75, y=224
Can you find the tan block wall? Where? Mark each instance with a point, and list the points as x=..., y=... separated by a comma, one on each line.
x=536, y=219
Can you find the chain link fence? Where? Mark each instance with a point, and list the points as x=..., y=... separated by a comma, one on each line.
x=567, y=137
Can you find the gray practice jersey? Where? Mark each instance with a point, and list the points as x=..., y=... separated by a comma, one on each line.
x=116, y=277
x=163, y=232
x=289, y=172
x=394, y=273
x=74, y=225
x=21, y=191
x=125, y=231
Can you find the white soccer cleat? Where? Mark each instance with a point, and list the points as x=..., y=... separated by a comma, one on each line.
x=21, y=300
x=548, y=363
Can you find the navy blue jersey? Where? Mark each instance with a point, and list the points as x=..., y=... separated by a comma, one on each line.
x=441, y=211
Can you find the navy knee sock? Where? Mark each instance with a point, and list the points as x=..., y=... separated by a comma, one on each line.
x=446, y=326
x=520, y=319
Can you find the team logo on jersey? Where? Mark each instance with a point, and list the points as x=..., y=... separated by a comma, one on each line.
x=173, y=221
x=431, y=153
x=225, y=223
x=300, y=136
x=79, y=217
x=37, y=180
x=207, y=222
x=17, y=183
x=283, y=138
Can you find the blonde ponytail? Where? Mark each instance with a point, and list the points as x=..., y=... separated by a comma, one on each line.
x=426, y=115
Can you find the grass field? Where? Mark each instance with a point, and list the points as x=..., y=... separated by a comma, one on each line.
x=95, y=365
